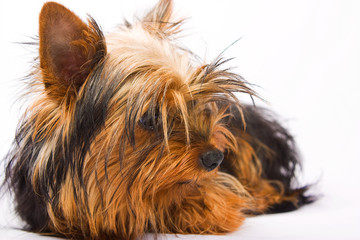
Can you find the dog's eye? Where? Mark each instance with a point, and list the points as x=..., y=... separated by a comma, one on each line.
x=150, y=121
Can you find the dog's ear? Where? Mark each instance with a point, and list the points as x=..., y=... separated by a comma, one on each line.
x=159, y=19
x=69, y=49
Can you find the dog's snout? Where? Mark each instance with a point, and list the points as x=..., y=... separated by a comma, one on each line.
x=211, y=159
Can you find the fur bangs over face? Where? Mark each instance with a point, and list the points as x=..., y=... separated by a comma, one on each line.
x=129, y=132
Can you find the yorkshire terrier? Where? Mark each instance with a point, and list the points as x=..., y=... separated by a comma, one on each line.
x=130, y=134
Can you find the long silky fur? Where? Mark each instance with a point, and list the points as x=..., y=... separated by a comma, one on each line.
x=84, y=165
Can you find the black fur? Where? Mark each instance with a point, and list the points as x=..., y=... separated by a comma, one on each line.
x=279, y=159
x=29, y=205
x=89, y=118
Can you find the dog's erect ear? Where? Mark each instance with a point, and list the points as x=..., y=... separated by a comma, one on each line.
x=159, y=19
x=69, y=49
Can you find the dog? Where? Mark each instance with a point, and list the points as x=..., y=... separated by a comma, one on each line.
x=130, y=133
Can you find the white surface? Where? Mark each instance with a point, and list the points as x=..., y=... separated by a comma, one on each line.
x=304, y=54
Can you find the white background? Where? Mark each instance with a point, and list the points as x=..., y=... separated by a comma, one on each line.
x=305, y=55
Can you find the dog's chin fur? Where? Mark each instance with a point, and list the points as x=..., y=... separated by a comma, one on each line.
x=114, y=145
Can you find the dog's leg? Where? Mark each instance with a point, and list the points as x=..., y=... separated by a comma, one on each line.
x=213, y=207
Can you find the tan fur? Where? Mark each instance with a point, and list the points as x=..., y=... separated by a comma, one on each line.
x=168, y=194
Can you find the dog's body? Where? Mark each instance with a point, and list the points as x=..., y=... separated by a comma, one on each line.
x=128, y=134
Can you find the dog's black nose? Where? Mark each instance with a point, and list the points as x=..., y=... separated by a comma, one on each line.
x=211, y=159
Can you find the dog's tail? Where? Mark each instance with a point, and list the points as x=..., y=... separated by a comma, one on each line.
x=275, y=148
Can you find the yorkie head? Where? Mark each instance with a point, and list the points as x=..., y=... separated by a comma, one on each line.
x=131, y=134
